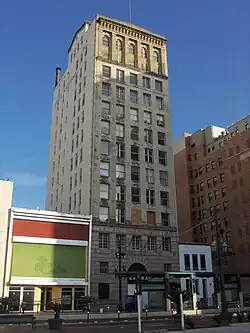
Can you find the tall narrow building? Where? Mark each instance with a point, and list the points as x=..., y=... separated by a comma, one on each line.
x=111, y=150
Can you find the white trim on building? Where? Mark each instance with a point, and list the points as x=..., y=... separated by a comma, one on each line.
x=37, y=281
x=52, y=241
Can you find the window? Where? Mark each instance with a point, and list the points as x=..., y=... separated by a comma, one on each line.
x=215, y=180
x=131, y=48
x=162, y=157
x=202, y=186
x=150, y=176
x=80, y=176
x=225, y=206
x=207, y=167
x=106, y=89
x=160, y=120
x=104, y=169
x=134, y=115
x=223, y=192
x=239, y=166
x=151, y=243
x=104, y=214
x=103, y=290
x=210, y=196
x=120, y=215
x=120, y=93
x=167, y=267
x=148, y=136
x=164, y=198
x=106, y=71
x=104, y=241
x=120, y=75
x=150, y=196
x=104, y=191
x=134, y=96
x=104, y=148
x=134, y=153
x=195, y=262
x=149, y=155
x=106, y=41
x=144, y=52
x=120, y=193
x=156, y=56
x=120, y=111
x=133, y=78
x=159, y=103
x=147, y=117
x=104, y=267
x=120, y=130
x=146, y=82
x=203, y=262
x=166, y=243
x=119, y=49
x=121, y=242
x=105, y=127
x=120, y=171
x=120, y=149
x=136, y=243
x=165, y=219
x=151, y=220
x=161, y=138
x=135, y=173
x=222, y=177
x=135, y=194
x=158, y=85
x=134, y=133
x=213, y=165
x=187, y=262
x=163, y=177
x=216, y=194
x=147, y=100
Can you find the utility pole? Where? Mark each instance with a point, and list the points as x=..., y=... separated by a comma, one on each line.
x=220, y=264
x=120, y=255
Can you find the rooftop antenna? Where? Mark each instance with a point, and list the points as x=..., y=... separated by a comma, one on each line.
x=130, y=10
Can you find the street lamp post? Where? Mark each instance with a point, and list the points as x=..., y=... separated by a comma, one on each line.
x=120, y=256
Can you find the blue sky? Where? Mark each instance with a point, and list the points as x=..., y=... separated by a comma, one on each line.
x=209, y=70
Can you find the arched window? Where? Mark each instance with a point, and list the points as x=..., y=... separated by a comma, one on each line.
x=119, y=45
x=144, y=53
x=106, y=41
x=156, y=56
x=131, y=48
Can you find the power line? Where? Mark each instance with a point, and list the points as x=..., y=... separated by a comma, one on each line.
x=187, y=230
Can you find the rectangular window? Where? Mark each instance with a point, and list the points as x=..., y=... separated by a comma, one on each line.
x=195, y=262
x=150, y=176
x=187, y=262
x=213, y=165
x=136, y=243
x=203, y=262
x=162, y=157
x=135, y=173
x=151, y=243
x=104, y=214
x=161, y=138
x=163, y=177
x=119, y=130
x=104, y=169
x=106, y=89
x=120, y=171
x=209, y=183
x=158, y=85
x=150, y=196
x=120, y=149
x=106, y=71
x=222, y=177
x=159, y=103
x=120, y=75
x=165, y=219
x=164, y=198
x=134, y=115
x=149, y=155
x=104, y=241
x=147, y=117
x=148, y=136
x=120, y=111
x=134, y=153
x=120, y=93
x=160, y=120
x=151, y=220
x=134, y=134
x=225, y=206
x=104, y=267
x=121, y=242
x=105, y=127
x=120, y=193
x=146, y=82
x=105, y=108
x=133, y=79
x=166, y=243
x=103, y=290
x=104, y=148
x=147, y=100
x=223, y=192
x=134, y=96
x=215, y=180
x=120, y=215
x=104, y=191
x=135, y=194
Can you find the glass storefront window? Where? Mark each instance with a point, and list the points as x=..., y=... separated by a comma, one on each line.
x=79, y=303
x=66, y=298
x=14, y=295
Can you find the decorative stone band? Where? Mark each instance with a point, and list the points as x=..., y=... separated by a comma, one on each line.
x=38, y=281
x=52, y=241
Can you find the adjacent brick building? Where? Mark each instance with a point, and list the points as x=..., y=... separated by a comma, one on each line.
x=212, y=170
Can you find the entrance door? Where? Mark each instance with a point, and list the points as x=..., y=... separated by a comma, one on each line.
x=28, y=298
x=67, y=299
x=79, y=299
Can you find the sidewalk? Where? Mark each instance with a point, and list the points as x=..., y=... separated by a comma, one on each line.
x=235, y=328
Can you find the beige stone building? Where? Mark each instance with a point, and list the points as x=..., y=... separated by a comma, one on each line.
x=111, y=150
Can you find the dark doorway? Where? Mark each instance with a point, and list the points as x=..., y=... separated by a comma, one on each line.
x=137, y=267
